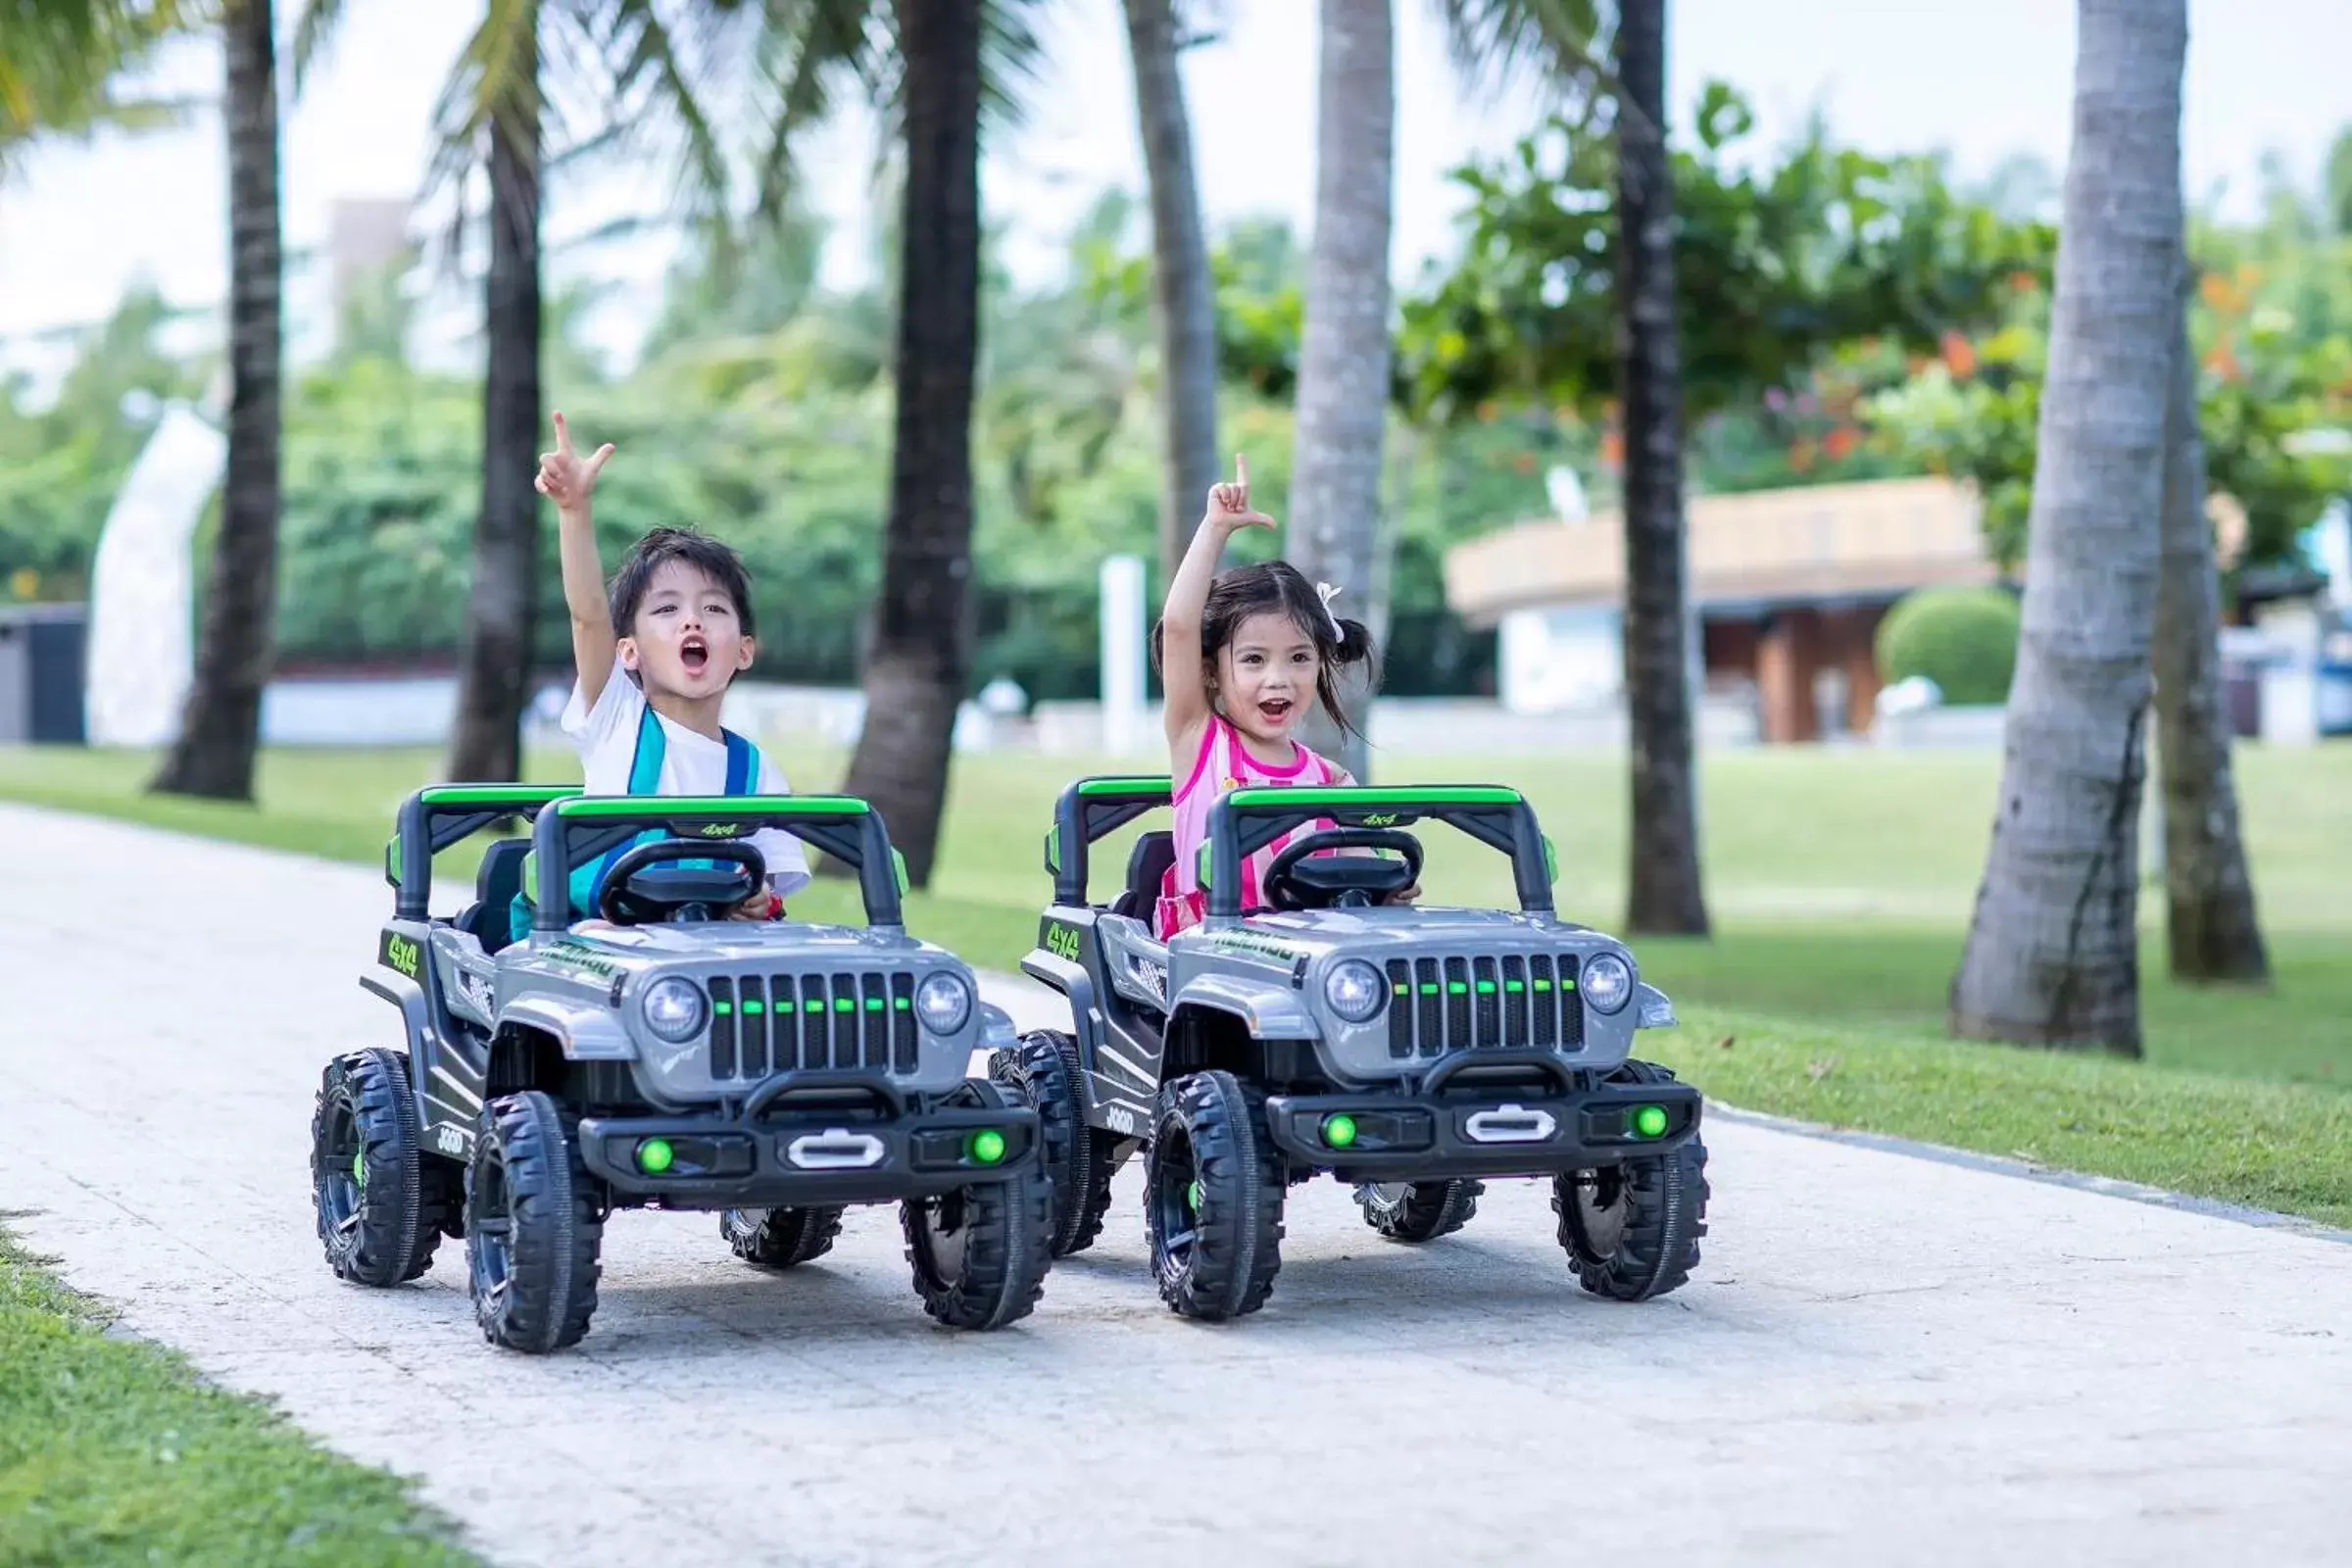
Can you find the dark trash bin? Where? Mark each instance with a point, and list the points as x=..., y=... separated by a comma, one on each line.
x=41, y=649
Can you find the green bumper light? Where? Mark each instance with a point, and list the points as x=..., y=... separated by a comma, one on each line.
x=655, y=1156
x=987, y=1146
x=1339, y=1130
x=1650, y=1121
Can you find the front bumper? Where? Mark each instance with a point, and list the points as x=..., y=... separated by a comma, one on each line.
x=1440, y=1134
x=781, y=1153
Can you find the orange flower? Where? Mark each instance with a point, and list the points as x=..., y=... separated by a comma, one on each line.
x=1487, y=412
x=1612, y=448
x=1840, y=442
x=1524, y=462
x=2023, y=281
x=1959, y=355
x=2223, y=362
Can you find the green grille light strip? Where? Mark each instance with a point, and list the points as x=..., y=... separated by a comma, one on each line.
x=1349, y=800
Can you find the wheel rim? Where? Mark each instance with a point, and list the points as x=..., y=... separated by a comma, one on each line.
x=1385, y=1199
x=942, y=1235
x=1601, y=1210
x=342, y=1168
x=1175, y=1198
x=491, y=1227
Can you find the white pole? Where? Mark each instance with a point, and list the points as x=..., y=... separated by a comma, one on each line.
x=1123, y=654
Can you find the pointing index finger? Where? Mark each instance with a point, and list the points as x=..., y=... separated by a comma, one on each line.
x=1241, y=470
x=563, y=434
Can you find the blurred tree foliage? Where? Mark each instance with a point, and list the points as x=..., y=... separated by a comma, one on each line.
x=1844, y=317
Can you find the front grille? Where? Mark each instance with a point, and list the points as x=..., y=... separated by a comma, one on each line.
x=776, y=1023
x=1441, y=1004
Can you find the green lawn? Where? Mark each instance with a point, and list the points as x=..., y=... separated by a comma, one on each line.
x=112, y=1451
x=1839, y=882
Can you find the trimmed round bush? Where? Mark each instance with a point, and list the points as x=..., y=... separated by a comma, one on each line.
x=1963, y=639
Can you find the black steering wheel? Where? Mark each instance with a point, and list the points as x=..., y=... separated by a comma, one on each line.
x=1342, y=881
x=634, y=893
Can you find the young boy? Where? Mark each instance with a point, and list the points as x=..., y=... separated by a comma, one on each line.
x=655, y=662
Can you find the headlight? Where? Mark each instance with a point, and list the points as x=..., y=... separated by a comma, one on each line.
x=673, y=1008
x=1606, y=982
x=943, y=1002
x=1354, y=990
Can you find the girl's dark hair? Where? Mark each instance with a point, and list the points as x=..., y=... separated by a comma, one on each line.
x=716, y=560
x=1276, y=587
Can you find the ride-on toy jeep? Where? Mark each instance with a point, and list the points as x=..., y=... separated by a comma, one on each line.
x=1408, y=1050
x=660, y=1054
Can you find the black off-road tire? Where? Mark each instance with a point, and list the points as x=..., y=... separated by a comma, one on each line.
x=1214, y=1191
x=378, y=1208
x=1632, y=1231
x=535, y=1225
x=1043, y=1070
x=1418, y=1211
x=780, y=1237
x=979, y=1254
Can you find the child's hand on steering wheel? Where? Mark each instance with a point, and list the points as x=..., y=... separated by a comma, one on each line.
x=761, y=906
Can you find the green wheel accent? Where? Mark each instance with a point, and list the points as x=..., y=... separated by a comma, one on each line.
x=359, y=1166
x=1192, y=1196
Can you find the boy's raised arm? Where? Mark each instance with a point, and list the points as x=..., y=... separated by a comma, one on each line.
x=568, y=479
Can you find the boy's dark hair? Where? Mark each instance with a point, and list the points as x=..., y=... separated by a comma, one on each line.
x=1276, y=587
x=717, y=562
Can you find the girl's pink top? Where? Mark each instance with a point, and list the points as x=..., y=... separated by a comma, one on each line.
x=1225, y=764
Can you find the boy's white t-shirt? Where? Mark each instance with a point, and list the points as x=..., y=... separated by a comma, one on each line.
x=691, y=764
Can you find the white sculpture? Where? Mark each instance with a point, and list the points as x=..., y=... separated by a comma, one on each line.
x=139, y=659
x=1566, y=492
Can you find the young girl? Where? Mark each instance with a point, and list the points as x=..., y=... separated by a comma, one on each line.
x=1241, y=655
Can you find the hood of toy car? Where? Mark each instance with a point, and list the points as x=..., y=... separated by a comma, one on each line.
x=1370, y=933
x=748, y=940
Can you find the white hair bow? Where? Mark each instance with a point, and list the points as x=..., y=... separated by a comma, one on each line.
x=1327, y=592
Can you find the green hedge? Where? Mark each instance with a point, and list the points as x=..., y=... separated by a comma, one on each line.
x=1963, y=639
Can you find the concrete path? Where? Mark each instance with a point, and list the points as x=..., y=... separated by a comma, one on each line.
x=1882, y=1360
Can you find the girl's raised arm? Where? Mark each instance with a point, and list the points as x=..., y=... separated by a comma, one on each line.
x=1182, y=673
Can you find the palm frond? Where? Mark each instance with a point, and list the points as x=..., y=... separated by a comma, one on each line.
x=1557, y=46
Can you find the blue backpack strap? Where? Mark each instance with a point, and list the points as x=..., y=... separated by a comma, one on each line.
x=743, y=764
x=645, y=778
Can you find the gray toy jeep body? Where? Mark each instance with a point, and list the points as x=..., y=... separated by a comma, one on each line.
x=771, y=1068
x=1396, y=1047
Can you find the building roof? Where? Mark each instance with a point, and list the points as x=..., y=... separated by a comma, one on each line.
x=1876, y=538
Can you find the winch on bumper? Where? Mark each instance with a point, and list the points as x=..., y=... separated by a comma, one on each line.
x=1439, y=1131
x=782, y=1150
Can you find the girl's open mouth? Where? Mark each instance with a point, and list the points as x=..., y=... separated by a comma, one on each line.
x=1275, y=709
x=695, y=653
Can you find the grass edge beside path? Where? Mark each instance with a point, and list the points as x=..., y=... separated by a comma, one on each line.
x=115, y=1450
x=2280, y=1147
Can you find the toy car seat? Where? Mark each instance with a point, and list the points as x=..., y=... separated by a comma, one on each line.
x=495, y=886
x=1148, y=866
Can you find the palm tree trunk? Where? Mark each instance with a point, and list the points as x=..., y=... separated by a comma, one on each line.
x=494, y=668
x=2211, y=922
x=916, y=669
x=1344, y=351
x=1183, y=294
x=2053, y=948
x=220, y=726
x=1664, y=892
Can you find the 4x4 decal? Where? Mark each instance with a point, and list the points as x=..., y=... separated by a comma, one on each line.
x=402, y=954
x=1061, y=939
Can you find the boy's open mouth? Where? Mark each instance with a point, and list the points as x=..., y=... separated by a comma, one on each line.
x=695, y=653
